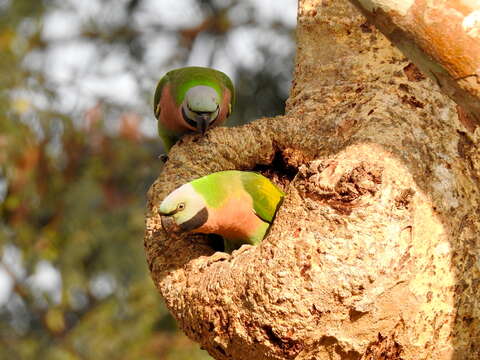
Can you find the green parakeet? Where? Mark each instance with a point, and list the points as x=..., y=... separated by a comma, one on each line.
x=191, y=99
x=237, y=205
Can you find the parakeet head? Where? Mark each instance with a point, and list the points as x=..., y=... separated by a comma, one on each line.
x=183, y=210
x=200, y=107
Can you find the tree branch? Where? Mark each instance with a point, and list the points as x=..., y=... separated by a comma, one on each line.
x=441, y=37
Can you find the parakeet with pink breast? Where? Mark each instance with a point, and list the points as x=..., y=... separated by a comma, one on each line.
x=240, y=206
x=191, y=99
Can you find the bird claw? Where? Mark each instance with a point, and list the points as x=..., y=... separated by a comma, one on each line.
x=163, y=158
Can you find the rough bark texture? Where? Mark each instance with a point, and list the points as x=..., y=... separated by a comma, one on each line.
x=441, y=37
x=374, y=253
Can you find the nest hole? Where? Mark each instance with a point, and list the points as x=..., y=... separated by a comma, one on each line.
x=281, y=170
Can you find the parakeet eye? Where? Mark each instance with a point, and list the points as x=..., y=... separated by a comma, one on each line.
x=181, y=206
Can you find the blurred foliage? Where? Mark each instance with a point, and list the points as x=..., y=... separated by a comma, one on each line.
x=74, y=174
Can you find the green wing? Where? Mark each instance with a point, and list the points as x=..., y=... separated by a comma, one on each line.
x=266, y=196
x=216, y=187
x=168, y=138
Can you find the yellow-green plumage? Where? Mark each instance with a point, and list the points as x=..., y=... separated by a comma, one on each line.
x=240, y=206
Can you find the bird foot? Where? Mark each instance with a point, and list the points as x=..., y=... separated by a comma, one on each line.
x=163, y=157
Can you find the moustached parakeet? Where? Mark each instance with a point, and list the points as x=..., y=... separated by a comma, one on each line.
x=191, y=99
x=237, y=205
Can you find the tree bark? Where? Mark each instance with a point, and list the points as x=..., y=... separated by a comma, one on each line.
x=441, y=37
x=374, y=253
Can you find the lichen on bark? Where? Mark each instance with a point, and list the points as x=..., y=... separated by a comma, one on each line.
x=374, y=252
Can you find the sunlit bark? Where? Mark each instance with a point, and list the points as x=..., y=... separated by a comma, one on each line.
x=441, y=37
x=375, y=248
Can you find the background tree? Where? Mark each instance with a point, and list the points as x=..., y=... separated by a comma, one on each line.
x=374, y=252
x=78, y=151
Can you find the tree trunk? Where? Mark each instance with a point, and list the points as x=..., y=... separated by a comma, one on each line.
x=374, y=252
